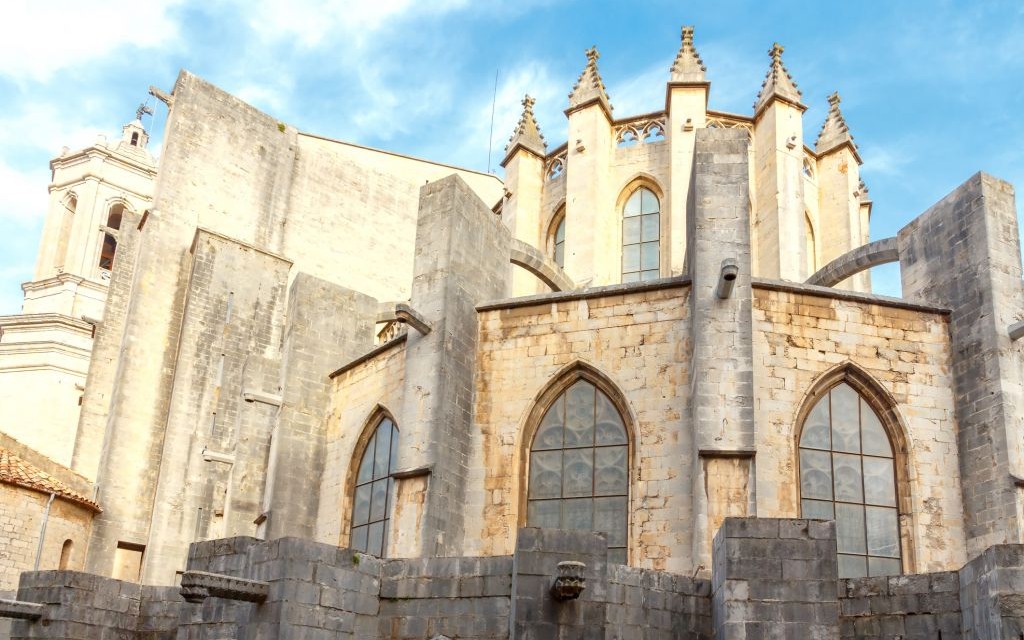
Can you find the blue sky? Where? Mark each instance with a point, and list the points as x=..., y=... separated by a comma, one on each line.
x=932, y=91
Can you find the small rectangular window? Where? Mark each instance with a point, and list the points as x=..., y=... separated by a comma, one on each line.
x=128, y=561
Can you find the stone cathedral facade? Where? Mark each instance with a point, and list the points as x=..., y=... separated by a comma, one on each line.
x=287, y=386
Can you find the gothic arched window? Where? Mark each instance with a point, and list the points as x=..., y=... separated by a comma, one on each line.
x=371, y=503
x=558, y=239
x=810, y=245
x=579, y=468
x=847, y=474
x=641, y=234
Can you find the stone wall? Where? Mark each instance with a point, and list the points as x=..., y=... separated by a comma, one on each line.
x=21, y=517
x=83, y=605
x=924, y=606
x=634, y=337
x=775, y=578
x=214, y=440
x=770, y=578
x=804, y=337
x=358, y=397
x=239, y=173
x=991, y=594
x=455, y=597
x=964, y=254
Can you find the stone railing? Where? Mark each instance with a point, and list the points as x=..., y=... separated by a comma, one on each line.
x=643, y=129
x=554, y=166
x=723, y=120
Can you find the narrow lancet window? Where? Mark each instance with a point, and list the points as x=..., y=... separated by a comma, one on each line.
x=641, y=237
x=371, y=505
x=847, y=474
x=559, y=244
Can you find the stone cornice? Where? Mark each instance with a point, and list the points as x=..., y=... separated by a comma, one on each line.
x=370, y=355
x=64, y=278
x=839, y=147
x=674, y=85
x=586, y=294
x=584, y=105
x=45, y=319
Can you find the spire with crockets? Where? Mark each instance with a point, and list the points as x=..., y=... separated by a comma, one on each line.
x=834, y=133
x=527, y=134
x=778, y=84
x=589, y=87
x=688, y=67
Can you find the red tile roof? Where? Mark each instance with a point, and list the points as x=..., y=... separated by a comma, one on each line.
x=14, y=470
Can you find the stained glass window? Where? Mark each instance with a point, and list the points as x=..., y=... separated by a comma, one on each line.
x=641, y=237
x=579, y=468
x=847, y=474
x=371, y=505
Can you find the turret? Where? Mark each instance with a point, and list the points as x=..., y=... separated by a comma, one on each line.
x=592, y=239
x=524, y=180
x=90, y=193
x=686, y=102
x=779, y=215
x=841, y=224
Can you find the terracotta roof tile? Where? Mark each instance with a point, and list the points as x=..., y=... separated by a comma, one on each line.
x=14, y=470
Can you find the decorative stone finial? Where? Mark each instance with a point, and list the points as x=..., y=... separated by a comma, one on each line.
x=863, y=193
x=688, y=67
x=834, y=132
x=589, y=86
x=778, y=83
x=527, y=134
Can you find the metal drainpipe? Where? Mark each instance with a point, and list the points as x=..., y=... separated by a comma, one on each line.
x=42, y=531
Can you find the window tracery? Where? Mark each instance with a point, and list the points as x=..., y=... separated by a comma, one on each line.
x=848, y=474
x=579, y=468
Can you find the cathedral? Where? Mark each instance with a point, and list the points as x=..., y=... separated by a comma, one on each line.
x=276, y=385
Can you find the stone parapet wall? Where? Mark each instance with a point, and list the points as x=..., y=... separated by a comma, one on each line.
x=915, y=607
x=455, y=597
x=771, y=578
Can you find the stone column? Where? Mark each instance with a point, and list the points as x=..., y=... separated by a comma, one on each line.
x=964, y=254
x=462, y=254
x=722, y=385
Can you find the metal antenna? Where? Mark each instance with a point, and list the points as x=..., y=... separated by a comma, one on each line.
x=490, y=136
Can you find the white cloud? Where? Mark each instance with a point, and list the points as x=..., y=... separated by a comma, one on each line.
x=44, y=127
x=348, y=23
x=22, y=196
x=39, y=38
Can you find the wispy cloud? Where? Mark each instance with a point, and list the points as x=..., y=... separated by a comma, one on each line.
x=38, y=39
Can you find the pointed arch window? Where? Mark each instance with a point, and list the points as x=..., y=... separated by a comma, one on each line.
x=641, y=236
x=579, y=468
x=371, y=504
x=558, y=240
x=847, y=474
x=810, y=245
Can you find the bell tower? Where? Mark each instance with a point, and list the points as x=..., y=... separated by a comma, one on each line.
x=46, y=349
